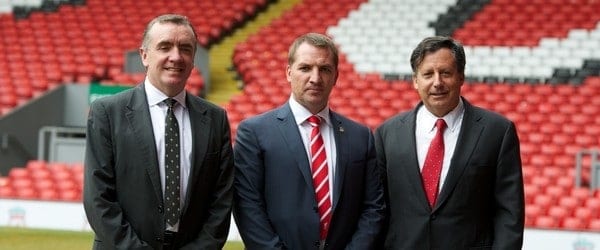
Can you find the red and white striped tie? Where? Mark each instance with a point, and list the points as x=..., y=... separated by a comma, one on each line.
x=320, y=175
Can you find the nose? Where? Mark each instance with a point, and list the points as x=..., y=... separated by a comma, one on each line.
x=437, y=80
x=175, y=54
x=315, y=75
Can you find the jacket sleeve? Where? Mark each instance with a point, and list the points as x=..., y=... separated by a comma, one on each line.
x=509, y=216
x=216, y=228
x=99, y=192
x=371, y=221
x=249, y=207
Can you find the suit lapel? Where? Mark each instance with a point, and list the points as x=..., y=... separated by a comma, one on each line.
x=138, y=115
x=289, y=131
x=341, y=142
x=406, y=133
x=200, y=127
x=468, y=136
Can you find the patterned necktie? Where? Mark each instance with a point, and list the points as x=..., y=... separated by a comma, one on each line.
x=172, y=162
x=320, y=176
x=433, y=163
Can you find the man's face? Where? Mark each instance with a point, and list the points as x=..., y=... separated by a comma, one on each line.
x=169, y=57
x=438, y=82
x=312, y=76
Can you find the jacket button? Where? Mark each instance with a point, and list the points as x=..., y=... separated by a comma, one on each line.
x=317, y=243
x=433, y=217
x=316, y=209
x=158, y=239
x=160, y=209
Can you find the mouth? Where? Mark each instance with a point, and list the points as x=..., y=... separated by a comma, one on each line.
x=438, y=94
x=174, y=69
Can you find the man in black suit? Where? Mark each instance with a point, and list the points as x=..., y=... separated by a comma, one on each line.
x=277, y=205
x=476, y=199
x=125, y=165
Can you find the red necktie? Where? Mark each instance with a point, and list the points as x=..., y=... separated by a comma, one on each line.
x=433, y=163
x=320, y=175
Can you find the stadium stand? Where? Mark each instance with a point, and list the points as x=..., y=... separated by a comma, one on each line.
x=533, y=61
x=74, y=42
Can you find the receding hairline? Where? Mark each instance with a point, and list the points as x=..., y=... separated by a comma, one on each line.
x=166, y=19
x=314, y=39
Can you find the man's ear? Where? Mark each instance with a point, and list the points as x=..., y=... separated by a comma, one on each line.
x=143, y=56
x=414, y=81
x=288, y=73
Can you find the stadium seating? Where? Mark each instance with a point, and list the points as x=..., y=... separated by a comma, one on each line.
x=85, y=43
x=45, y=181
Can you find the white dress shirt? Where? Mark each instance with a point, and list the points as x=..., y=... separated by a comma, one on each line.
x=426, y=130
x=158, y=113
x=326, y=127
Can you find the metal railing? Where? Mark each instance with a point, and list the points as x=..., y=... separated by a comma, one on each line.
x=594, y=167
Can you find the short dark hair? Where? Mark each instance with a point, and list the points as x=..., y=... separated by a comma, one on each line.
x=317, y=40
x=167, y=18
x=435, y=43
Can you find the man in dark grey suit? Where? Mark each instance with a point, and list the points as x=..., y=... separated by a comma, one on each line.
x=275, y=203
x=478, y=202
x=124, y=189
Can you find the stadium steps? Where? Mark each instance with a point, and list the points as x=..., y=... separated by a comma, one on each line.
x=222, y=76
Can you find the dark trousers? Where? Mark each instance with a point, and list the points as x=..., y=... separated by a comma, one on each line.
x=169, y=241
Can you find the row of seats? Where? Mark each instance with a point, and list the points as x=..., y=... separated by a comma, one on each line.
x=549, y=205
x=376, y=45
x=86, y=43
x=39, y=180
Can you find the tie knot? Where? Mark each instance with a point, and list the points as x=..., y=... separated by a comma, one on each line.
x=170, y=102
x=440, y=124
x=314, y=121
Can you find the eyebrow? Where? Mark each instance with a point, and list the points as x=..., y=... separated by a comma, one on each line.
x=162, y=43
x=168, y=43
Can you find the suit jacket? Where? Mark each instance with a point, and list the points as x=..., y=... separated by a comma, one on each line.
x=122, y=194
x=274, y=201
x=481, y=204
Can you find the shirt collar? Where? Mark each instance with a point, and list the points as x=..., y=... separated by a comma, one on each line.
x=155, y=96
x=451, y=119
x=301, y=113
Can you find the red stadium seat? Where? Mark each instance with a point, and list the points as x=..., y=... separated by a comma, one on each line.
x=70, y=195
x=544, y=200
x=7, y=192
x=29, y=193
x=21, y=183
x=532, y=212
x=569, y=203
x=581, y=193
x=583, y=213
x=48, y=194
x=17, y=173
x=572, y=223
x=541, y=180
x=556, y=191
x=547, y=222
x=594, y=225
x=558, y=212
x=593, y=203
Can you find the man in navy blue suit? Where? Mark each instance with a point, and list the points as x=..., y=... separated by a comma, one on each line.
x=275, y=205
